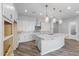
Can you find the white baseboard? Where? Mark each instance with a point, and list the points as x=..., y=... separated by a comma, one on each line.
x=51, y=50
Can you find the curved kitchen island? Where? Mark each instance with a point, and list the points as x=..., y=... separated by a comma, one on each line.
x=48, y=43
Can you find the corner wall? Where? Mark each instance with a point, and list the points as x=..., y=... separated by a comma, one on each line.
x=64, y=27
x=1, y=31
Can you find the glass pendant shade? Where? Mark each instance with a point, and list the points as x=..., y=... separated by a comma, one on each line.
x=60, y=21
x=47, y=19
x=54, y=20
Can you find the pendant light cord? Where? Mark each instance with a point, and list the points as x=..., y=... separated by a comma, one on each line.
x=46, y=9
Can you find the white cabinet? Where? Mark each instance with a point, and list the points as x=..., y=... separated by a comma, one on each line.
x=9, y=11
x=25, y=36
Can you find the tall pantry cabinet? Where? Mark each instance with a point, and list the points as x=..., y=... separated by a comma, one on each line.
x=9, y=29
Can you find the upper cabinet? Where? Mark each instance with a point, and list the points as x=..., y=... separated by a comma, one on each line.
x=9, y=11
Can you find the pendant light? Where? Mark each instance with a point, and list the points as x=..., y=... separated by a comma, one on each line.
x=60, y=21
x=46, y=18
x=54, y=20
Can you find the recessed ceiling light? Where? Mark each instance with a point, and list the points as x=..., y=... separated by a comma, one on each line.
x=69, y=7
x=77, y=12
x=41, y=13
x=25, y=10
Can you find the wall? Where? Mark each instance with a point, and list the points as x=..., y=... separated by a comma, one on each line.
x=64, y=27
x=1, y=31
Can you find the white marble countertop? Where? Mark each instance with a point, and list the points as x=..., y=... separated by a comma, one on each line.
x=48, y=36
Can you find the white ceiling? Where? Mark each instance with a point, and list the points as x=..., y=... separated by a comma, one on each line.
x=34, y=9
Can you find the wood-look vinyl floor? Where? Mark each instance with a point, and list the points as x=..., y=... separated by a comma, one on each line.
x=27, y=49
x=71, y=48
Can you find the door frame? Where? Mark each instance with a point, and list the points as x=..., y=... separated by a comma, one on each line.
x=70, y=25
